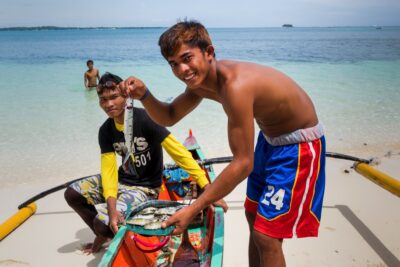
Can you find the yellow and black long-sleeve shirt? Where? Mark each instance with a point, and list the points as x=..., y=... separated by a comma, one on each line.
x=147, y=163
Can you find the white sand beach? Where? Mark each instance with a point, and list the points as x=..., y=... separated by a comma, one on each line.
x=359, y=226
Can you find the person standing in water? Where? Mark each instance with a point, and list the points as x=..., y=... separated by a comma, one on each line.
x=91, y=76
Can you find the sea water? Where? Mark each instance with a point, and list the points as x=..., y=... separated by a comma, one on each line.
x=49, y=122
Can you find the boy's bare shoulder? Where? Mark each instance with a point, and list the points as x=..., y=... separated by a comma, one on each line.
x=241, y=73
x=232, y=66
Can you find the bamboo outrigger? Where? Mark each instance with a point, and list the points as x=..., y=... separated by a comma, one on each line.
x=383, y=180
x=16, y=220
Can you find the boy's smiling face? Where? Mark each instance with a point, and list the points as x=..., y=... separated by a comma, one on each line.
x=190, y=65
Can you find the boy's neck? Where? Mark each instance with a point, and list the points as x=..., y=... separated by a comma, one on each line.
x=119, y=126
x=211, y=82
x=119, y=119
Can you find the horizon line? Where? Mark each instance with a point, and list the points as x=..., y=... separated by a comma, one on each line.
x=51, y=27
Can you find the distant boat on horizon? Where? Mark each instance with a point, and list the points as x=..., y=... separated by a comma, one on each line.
x=287, y=25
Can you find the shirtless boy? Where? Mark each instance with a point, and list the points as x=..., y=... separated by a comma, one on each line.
x=91, y=76
x=286, y=173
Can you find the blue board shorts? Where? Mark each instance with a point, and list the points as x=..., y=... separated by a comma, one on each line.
x=286, y=187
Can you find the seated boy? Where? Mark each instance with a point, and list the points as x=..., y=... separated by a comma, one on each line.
x=115, y=188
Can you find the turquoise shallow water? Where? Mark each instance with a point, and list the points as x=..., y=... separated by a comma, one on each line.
x=49, y=123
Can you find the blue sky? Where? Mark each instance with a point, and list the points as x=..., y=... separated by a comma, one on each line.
x=212, y=13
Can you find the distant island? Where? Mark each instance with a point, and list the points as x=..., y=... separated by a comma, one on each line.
x=55, y=28
x=287, y=25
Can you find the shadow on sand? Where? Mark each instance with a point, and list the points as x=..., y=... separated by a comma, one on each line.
x=384, y=253
x=84, y=236
x=373, y=241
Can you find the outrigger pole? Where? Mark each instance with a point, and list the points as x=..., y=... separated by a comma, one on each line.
x=383, y=180
x=51, y=190
x=28, y=208
x=360, y=165
x=16, y=220
x=230, y=158
x=219, y=160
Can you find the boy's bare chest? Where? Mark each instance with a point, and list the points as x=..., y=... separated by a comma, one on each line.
x=91, y=73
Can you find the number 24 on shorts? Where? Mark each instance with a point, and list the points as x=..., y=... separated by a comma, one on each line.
x=274, y=198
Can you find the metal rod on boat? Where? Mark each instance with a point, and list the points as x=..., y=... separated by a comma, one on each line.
x=360, y=165
x=346, y=157
x=228, y=159
x=203, y=162
x=49, y=191
x=216, y=160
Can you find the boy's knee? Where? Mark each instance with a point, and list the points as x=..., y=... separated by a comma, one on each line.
x=72, y=197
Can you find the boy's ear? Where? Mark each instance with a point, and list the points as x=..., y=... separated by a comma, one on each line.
x=210, y=51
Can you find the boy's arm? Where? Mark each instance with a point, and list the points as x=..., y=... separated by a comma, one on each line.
x=165, y=114
x=109, y=175
x=109, y=180
x=85, y=80
x=239, y=108
x=184, y=159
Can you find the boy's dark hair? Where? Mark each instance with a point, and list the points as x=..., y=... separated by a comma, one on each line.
x=89, y=62
x=189, y=32
x=108, y=81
